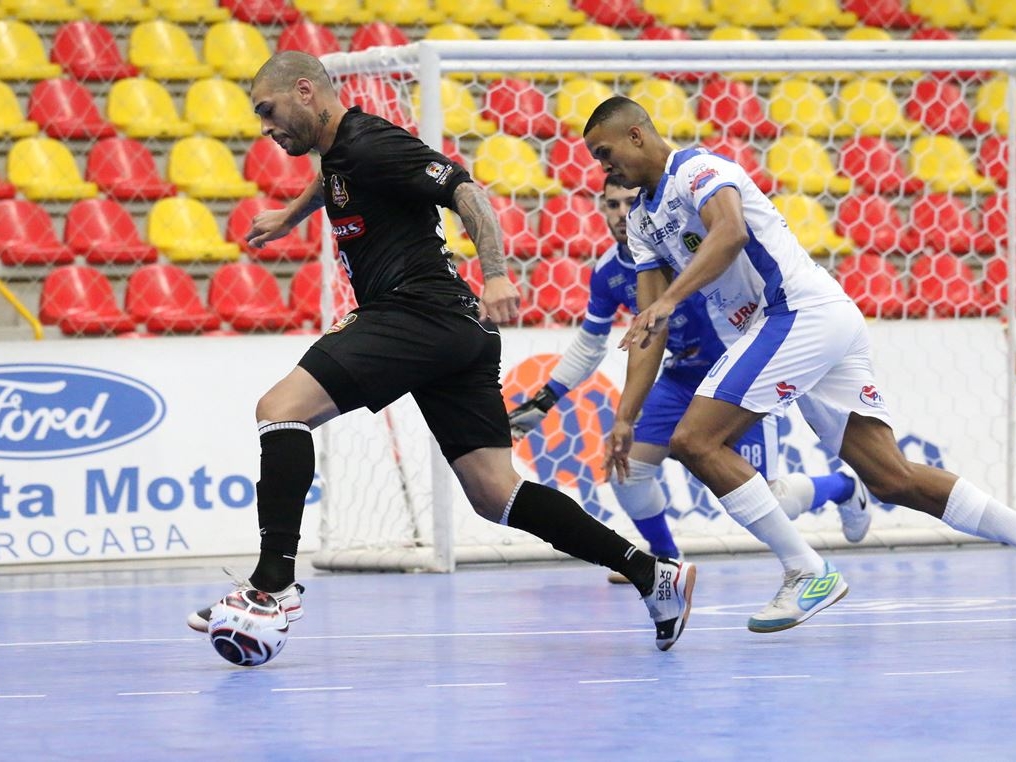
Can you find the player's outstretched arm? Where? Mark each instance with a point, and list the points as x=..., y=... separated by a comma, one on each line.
x=500, y=299
x=270, y=224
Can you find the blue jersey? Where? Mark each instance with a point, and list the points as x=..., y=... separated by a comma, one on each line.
x=692, y=342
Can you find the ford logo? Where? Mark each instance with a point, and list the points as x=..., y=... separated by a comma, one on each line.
x=59, y=411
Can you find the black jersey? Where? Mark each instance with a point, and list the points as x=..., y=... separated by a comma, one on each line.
x=381, y=188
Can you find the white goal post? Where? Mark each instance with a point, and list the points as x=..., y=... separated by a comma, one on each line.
x=389, y=501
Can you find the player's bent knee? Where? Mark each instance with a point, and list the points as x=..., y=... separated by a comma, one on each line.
x=687, y=447
x=891, y=483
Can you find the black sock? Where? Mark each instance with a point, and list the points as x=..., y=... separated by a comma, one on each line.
x=287, y=470
x=556, y=518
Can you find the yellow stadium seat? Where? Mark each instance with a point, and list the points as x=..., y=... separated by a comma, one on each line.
x=529, y=32
x=236, y=49
x=163, y=50
x=1001, y=12
x=509, y=166
x=184, y=230
x=682, y=13
x=576, y=100
x=457, y=240
x=669, y=109
x=808, y=34
x=874, y=34
x=44, y=169
x=800, y=164
x=12, y=119
x=142, y=108
x=43, y=10
x=117, y=11
x=22, y=54
x=952, y=14
x=601, y=33
x=753, y=13
x=544, y=12
x=803, y=108
x=474, y=12
x=989, y=104
x=190, y=11
x=1000, y=32
x=333, y=11
x=946, y=166
x=870, y=108
x=205, y=168
x=461, y=112
x=742, y=34
x=808, y=220
x=819, y=13
x=451, y=31
x=220, y=108
x=406, y=12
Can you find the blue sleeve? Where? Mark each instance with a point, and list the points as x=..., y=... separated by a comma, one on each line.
x=602, y=305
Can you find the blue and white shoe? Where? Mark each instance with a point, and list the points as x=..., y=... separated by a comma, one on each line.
x=669, y=603
x=800, y=598
x=854, y=513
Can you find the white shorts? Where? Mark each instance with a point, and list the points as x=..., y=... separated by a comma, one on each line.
x=818, y=356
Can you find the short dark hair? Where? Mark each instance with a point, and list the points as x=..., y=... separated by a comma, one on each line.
x=283, y=69
x=612, y=181
x=618, y=105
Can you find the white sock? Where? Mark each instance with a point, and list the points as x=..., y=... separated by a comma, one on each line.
x=753, y=506
x=795, y=493
x=971, y=510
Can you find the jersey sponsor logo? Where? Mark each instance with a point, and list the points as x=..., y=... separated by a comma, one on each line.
x=340, y=196
x=345, y=228
x=691, y=241
x=347, y=319
x=703, y=176
x=674, y=203
x=615, y=281
x=645, y=222
x=661, y=234
x=870, y=396
x=740, y=318
x=440, y=172
x=785, y=391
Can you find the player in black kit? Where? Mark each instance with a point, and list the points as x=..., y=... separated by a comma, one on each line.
x=418, y=330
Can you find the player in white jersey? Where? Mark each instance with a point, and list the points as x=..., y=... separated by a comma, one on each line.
x=701, y=224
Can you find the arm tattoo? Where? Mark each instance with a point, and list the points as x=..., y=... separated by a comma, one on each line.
x=480, y=221
x=314, y=203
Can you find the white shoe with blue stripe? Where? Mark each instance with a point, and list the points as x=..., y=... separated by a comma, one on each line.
x=800, y=598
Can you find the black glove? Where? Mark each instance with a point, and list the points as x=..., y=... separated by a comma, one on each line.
x=530, y=413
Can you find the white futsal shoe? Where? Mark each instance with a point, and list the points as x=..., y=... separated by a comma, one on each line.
x=854, y=513
x=288, y=598
x=616, y=578
x=669, y=603
x=799, y=598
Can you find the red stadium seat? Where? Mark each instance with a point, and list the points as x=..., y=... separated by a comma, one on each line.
x=742, y=152
x=103, y=232
x=941, y=108
x=873, y=224
x=519, y=239
x=947, y=285
x=64, y=108
x=735, y=109
x=561, y=288
x=288, y=248
x=574, y=226
x=938, y=33
x=940, y=223
x=165, y=298
x=995, y=219
x=308, y=37
x=7, y=190
x=615, y=13
x=88, y=51
x=449, y=149
x=27, y=236
x=882, y=14
x=80, y=300
x=471, y=272
x=377, y=33
x=571, y=164
x=126, y=170
x=261, y=11
x=276, y=172
x=375, y=96
x=993, y=159
x=875, y=166
x=305, y=293
x=247, y=296
x=995, y=283
x=876, y=287
x=519, y=108
x=679, y=35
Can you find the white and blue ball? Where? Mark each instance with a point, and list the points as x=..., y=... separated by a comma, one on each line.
x=248, y=627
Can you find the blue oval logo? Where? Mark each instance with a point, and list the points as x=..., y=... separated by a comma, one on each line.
x=60, y=411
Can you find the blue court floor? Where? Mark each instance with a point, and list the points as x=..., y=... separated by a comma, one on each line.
x=524, y=662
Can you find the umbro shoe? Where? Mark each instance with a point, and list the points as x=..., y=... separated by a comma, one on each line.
x=669, y=603
x=288, y=597
x=800, y=598
x=854, y=513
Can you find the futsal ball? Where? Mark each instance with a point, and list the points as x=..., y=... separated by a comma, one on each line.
x=248, y=627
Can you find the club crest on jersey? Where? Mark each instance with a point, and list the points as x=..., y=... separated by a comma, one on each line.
x=439, y=171
x=702, y=177
x=348, y=319
x=340, y=196
x=871, y=397
x=691, y=241
x=785, y=391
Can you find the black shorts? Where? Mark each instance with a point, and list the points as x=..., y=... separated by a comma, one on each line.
x=403, y=344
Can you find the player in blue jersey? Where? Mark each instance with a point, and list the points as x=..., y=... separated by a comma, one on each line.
x=693, y=345
x=701, y=225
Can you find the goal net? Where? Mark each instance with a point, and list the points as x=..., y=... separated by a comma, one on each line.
x=893, y=162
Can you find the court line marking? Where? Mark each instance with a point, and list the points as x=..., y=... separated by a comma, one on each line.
x=158, y=693
x=930, y=672
x=22, y=695
x=466, y=685
x=321, y=688
x=770, y=677
x=621, y=680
